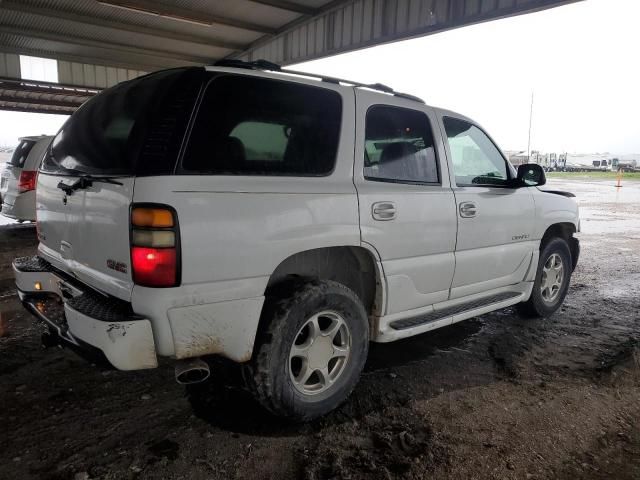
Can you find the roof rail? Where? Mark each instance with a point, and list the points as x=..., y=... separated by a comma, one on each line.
x=274, y=67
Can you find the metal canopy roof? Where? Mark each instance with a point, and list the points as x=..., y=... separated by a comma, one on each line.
x=98, y=43
x=144, y=34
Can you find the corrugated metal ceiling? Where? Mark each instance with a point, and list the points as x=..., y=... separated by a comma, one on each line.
x=127, y=33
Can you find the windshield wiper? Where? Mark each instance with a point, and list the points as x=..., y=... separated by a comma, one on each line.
x=85, y=181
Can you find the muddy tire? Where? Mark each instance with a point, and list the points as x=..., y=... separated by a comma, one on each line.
x=311, y=351
x=552, y=280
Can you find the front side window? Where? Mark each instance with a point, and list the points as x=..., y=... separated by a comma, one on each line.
x=399, y=146
x=256, y=126
x=476, y=160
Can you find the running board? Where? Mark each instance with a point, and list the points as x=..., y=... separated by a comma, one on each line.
x=436, y=315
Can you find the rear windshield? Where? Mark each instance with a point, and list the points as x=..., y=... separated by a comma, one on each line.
x=256, y=126
x=21, y=153
x=134, y=128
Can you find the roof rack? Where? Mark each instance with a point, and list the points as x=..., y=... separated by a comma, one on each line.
x=274, y=67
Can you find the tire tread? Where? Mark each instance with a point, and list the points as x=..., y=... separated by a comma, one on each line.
x=258, y=379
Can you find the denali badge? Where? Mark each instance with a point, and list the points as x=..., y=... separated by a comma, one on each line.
x=117, y=266
x=519, y=237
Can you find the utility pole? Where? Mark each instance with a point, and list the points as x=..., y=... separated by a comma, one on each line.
x=530, y=120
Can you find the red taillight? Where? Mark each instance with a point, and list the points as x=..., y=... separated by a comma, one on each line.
x=27, y=181
x=154, y=247
x=154, y=267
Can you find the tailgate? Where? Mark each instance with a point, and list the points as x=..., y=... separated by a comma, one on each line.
x=9, y=184
x=86, y=234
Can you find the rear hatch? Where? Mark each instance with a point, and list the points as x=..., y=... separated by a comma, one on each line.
x=11, y=173
x=87, y=179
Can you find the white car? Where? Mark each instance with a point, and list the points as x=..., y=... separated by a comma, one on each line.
x=18, y=179
x=282, y=221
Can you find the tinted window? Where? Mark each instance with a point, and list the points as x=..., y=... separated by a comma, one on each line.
x=261, y=140
x=21, y=153
x=399, y=146
x=253, y=126
x=476, y=160
x=135, y=127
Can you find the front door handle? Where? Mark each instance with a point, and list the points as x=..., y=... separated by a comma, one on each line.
x=383, y=211
x=468, y=209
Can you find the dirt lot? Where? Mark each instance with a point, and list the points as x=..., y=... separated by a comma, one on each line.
x=493, y=397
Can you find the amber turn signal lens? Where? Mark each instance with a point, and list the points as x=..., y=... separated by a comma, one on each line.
x=152, y=217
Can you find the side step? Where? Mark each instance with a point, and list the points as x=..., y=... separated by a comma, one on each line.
x=448, y=312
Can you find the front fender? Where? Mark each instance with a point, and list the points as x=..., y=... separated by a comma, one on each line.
x=552, y=209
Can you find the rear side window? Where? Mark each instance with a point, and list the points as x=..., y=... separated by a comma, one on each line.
x=21, y=153
x=134, y=128
x=399, y=146
x=261, y=140
x=256, y=126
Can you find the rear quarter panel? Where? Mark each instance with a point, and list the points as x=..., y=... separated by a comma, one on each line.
x=234, y=232
x=242, y=228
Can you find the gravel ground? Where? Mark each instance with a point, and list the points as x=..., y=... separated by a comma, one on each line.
x=492, y=397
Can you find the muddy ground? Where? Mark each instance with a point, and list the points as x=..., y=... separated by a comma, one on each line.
x=493, y=397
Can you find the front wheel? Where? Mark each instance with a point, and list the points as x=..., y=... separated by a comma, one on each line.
x=312, y=351
x=552, y=280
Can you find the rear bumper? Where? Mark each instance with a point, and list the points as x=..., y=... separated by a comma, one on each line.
x=22, y=208
x=83, y=319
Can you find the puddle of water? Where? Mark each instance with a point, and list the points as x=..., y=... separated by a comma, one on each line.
x=624, y=287
x=8, y=310
x=603, y=207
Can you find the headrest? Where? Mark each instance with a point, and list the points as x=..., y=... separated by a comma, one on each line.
x=397, y=150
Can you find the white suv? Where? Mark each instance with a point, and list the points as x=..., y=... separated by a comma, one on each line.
x=18, y=179
x=282, y=221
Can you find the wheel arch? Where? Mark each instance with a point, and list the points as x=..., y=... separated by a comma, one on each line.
x=353, y=266
x=566, y=231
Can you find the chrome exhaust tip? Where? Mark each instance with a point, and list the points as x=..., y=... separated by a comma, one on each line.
x=191, y=370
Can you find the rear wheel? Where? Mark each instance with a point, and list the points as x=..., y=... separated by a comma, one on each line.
x=313, y=349
x=552, y=280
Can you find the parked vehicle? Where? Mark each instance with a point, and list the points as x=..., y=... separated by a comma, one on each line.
x=283, y=222
x=624, y=165
x=18, y=179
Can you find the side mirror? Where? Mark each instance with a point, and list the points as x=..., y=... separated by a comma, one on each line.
x=531, y=175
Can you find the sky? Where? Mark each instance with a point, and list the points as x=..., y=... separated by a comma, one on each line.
x=580, y=61
x=20, y=124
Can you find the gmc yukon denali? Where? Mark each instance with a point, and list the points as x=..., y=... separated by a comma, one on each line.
x=283, y=221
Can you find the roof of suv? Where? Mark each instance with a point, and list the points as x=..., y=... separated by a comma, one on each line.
x=265, y=66
x=272, y=70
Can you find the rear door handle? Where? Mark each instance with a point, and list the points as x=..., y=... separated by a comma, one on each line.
x=383, y=211
x=468, y=209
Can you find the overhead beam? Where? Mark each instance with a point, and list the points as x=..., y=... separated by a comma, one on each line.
x=181, y=14
x=38, y=101
x=40, y=90
x=37, y=109
x=127, y=27
x=288, y=6
x=89, y=42
x=114, y=62
x=49, y=88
